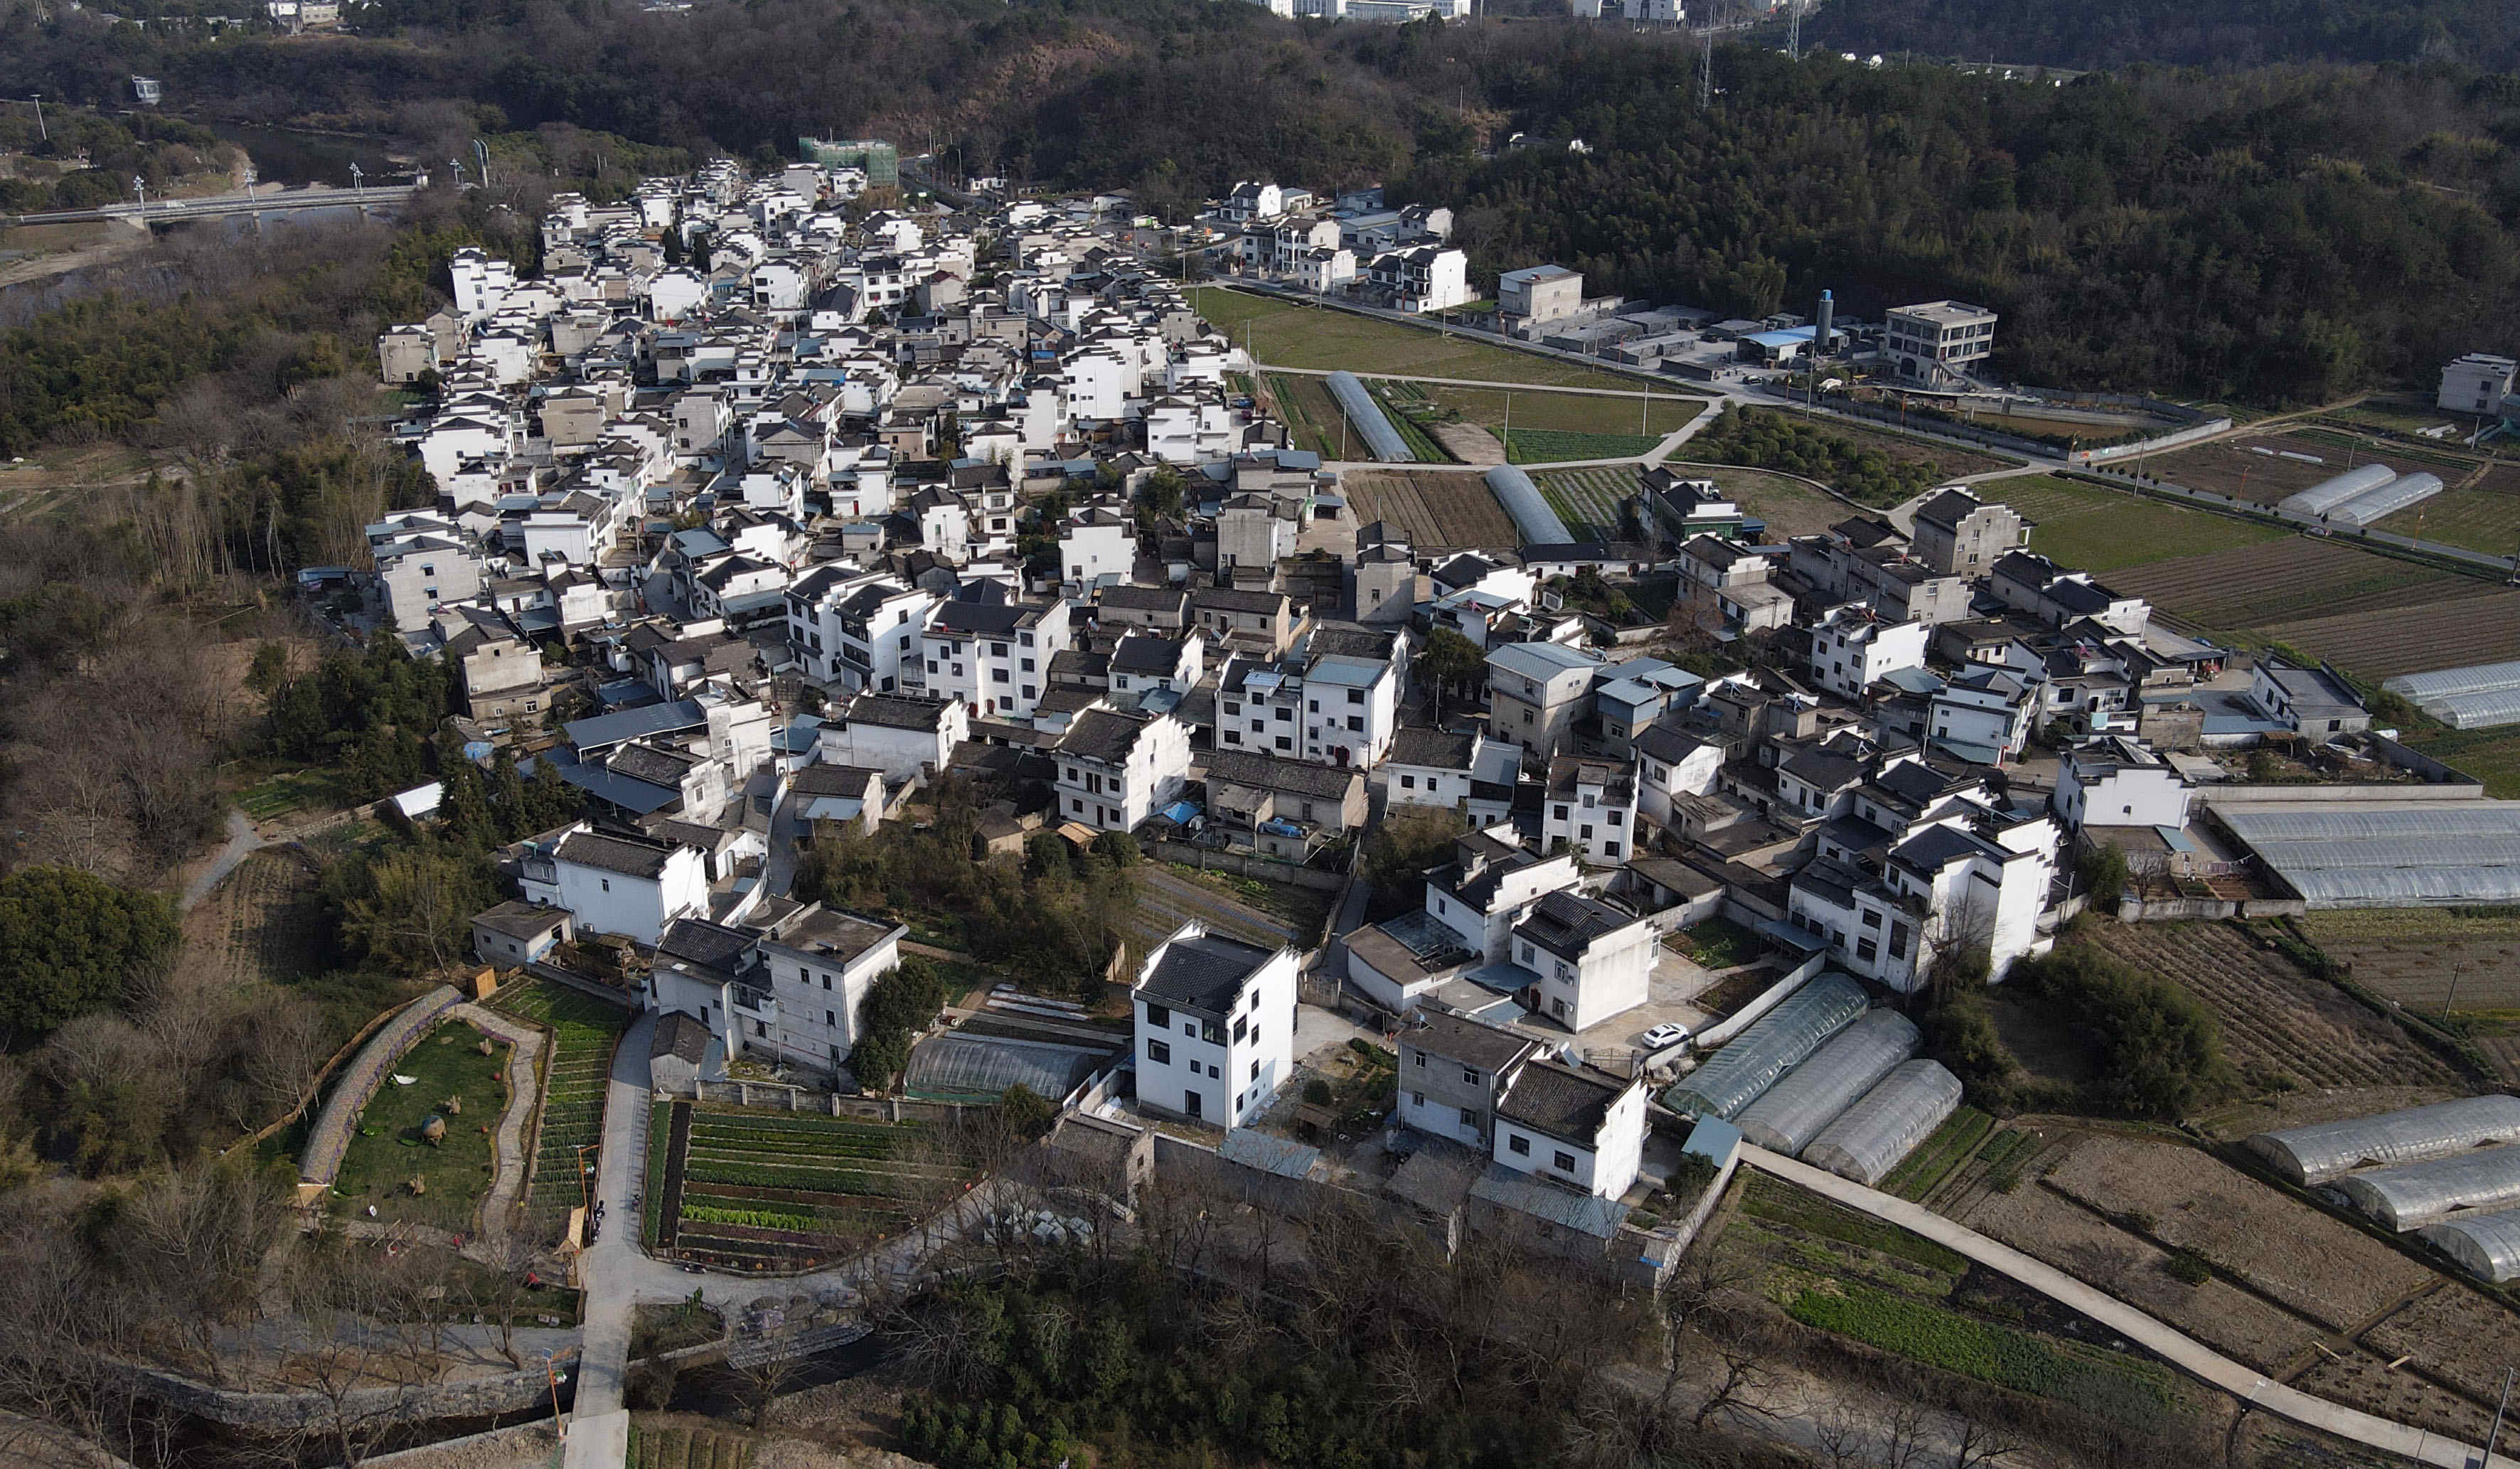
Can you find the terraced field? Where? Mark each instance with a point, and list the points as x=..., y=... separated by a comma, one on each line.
x=779, y=1191
x=583, y=1031
x=1437, y=510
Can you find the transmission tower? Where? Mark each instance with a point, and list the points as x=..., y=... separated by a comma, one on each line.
x=1794, y=35
x=1706, y=69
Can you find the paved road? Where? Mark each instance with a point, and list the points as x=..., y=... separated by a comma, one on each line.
x=2175, y=1347
x=261, y=202
x=599, y=1433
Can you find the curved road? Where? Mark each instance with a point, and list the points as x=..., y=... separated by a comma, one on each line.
x=2177, y=1348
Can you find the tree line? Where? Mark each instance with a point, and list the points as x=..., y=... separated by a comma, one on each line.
x=2483, y=33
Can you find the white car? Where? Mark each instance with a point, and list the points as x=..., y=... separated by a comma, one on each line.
x=1662, y=1036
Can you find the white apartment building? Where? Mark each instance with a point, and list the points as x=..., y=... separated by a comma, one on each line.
x=2477, y=383
x=992, y=656
x=1115, y=770
x=852, y=631
x=1851, y=649
x=1215, y=1026
x=1592, y=961
x=1589, y=808
x=1536, y=691
x=1098, y=547
x=2117, y=780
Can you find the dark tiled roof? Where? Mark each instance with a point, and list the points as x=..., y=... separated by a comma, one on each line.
x=1135, y=599
x=895, y=713
x=820, y=779
x=1566, y=923
x=1563, y=1101
x=679, y=1035
x=1229, y=601
x=1203, y=972
x=1102, y=734
x=1445, y=749
x=701, y=942
x=630, y=856
x=828, y=932
x=521, y=920
x=1301, y=776
x=1458, y=1038
x=1143, y=654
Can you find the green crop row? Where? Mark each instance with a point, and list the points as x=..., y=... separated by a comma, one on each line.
x=805, y=1180
x=755, y=1216
x=1813, y=1214
x=1935, y=1158
x=793, y=1136
x=1955, y=1343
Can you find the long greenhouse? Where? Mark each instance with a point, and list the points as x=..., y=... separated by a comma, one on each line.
x=1522, y=499
x=2420, y=1193
x=2352, y=857
x=1870, y=1137
x=1751, y=1063
x=1381, y=440
x=2485, y=1245
x=1792, y=1112
x=2325, y=1151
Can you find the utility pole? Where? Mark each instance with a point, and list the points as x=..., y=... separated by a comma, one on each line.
x=41, y=131
x=2449, y=1002
x=2495, y=1431
x=139, y=186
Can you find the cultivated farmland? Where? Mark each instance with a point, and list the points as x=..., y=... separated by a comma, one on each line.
x=1589, y=500
x=2232, y=467
x=2469, y=622
x=1311, y=415
x=2098, y=530
x=2255, y=586
x=1436, y=510
x=2478, y=512
x=2275, y=1018
x=1284, y=333
x=2414, y=954
x=1650, y=418
x=575, y=1074
x=782, y=1191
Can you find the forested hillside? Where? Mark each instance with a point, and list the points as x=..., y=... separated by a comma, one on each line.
x=2223, y=33
x=2272, y=236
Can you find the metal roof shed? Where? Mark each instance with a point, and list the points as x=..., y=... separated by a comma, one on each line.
x=1798, y=1026
x=2325, y=1151
x=2421, y=1193
x=1814, y=1094
x=1870, y=1137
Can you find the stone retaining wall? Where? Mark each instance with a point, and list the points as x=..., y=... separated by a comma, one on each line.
x=331, y=1136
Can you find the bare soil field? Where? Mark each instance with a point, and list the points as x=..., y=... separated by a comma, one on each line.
x=2255, y=587
x=2228, y=467
x=2453, y=1333
x=2275, y=1018
x=254, y=927
x=2318, y=1266
x=1789, y=507
x=2413, y=955
x=2224, y=1317
x=1436, y=510
x=2362, y=1380
x=2481, y=622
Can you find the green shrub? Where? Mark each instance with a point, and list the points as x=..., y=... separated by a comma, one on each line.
x=2189, y=1268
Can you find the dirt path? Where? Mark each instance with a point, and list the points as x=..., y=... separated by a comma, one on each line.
x=507, y=1183
x=1468, y=443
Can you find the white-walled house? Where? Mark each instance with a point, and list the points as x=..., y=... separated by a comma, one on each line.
x=1670, y=764
x=789, y=991
x=1979, y=880
x=1098, y=547
x=1573, y=1124
x=1452, y=1071
x=1851, y=649
x=619, y=882
x=993, y=655
x=1590, y=807
x=1215, y=1026
x=1115, y=770
x=1490, y=886
x=907, y=738
x=1592, y=961
x=1461, y=771
x=2118, y=781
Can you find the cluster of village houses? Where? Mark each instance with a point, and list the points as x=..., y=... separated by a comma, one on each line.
x=859, y=506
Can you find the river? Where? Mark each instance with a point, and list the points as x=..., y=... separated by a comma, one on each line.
x=287, y=156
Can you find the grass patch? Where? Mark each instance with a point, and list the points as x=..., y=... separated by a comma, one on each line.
x=291, y=792
x=1721, y=943
x=387, y=1152
x=652, y=1205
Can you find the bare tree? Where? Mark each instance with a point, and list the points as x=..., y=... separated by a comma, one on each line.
x=1977, y=1444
